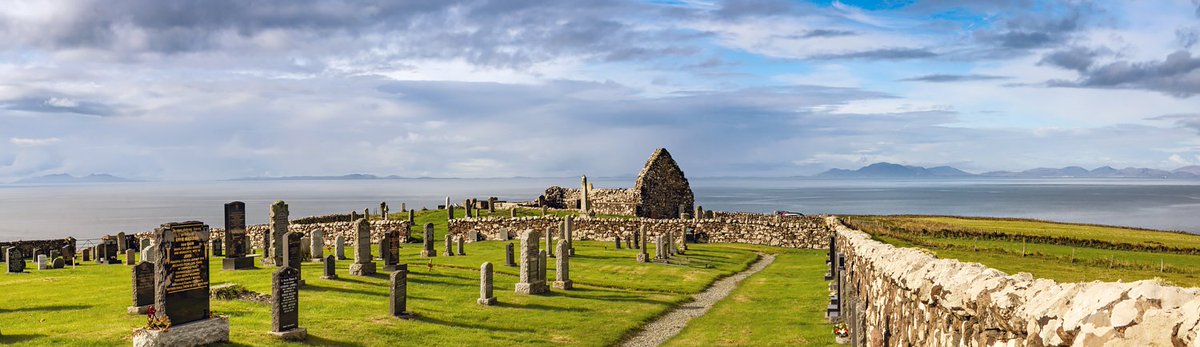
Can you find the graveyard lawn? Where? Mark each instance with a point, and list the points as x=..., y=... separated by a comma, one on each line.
x=774, y=307
x=1059, y=251
x=613, y=296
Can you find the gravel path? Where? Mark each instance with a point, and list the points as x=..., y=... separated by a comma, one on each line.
x=670, y=324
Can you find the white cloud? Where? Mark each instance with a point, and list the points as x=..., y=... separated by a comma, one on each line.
x=33, y=142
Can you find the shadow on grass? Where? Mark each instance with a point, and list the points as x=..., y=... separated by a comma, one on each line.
x=431, y=320
x=50, y=308
x=15, y=338
x=541, y=307
x=321, y=341
x=316, y=288
x=611, y=296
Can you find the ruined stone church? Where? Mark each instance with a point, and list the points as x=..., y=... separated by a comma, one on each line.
x=661, y=191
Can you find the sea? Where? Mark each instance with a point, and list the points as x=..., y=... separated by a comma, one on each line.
x=90, y=210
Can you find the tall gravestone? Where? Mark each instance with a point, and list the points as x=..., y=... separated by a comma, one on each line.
x=363, y=264
x=316, y=245
x=285, y=304
x=293, y=253
x=617, y=242
x=389, y=250
x=121, y=245
x=412, y=217
x=485, y=285
x=567, y=226
x=461, y=251
x=130, y=257
x=110, y=252
x=467, y=207
x=428, y=251
x=13, y=260
x=143, y=287
x=87, y=254
x=218, y=249
x=543, y=269
x=550, y=240
x=449, y=245
x=383, y=210
x=637, y=238
x=398, y=296
x=562, y=271
x=235, y=238
x=305, y=248
x=530, y=281
x=509, y=258
x=628, y=242
x=278, y=227
x=642, y=256
x=330, y=268
x=101, y=252
x=339, y=247
x=181, y=284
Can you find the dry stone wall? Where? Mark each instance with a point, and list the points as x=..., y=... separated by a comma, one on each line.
x=907, y=297
x=331, y=230
x=809, y=232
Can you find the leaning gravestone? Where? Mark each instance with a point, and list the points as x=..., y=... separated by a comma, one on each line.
x=530, y=281
x=235, y=238
x=398, y=296
x=293, y=255
x=363, y=264
x=330, y=268
x=428, y=250
x=181, y=290
x=143, y=287
x=485, y=285
x=12, y=258
x=285, y=304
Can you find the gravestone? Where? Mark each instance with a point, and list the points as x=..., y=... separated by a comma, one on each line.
x=150, y=253
x=101, y=252
x=121, y=242
x=683, y=231
x=363, y=264
x=339, y=247
x=628, y=242
x=143, y=287
x=699, y=212
x=13, y=260
x=617, y=241
x=110, y=252
x=642, y=256
x=567, y=225
x=412, y=217
x=512, y=213
x=449, y=210
x=467, y=208
x=530, y=281
x=68, y=254
x=460, y=246
x=217, y=248
x=492, y=205
x=293, y=253
x=485, y=285
x=449, y=246
x=403, y=207
x=389, y=250
x=235, y=235
x=830, y=258
x=508, y=255
x=503, y=235
x=58, y=263
x=562, y=271
x=181, y=279
x=279, y=227
x=285, y=304
x=543, y=267
x=427, y=242
x=130, y=257
x=87, y=254
x=144, y=243
x=305, y=248
x=398, y=297
x=41, y=262
x=330, y=268
x=383, y=210
x=316, y=246
x=637, y=238
x=550, y=240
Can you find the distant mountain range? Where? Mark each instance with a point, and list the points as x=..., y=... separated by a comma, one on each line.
x=67, y=178
x=889, y=170
x=311, y=178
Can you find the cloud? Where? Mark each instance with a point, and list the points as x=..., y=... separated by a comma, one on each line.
x=952, y=78
x=882, y=54
x=1074, y=58
x=1177, y=75
x=56, y=104
x=1186, y=121
x=33, y=142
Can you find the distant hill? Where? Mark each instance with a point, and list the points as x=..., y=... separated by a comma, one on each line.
x=889, y=170
x=67, y=178
x=312, y=178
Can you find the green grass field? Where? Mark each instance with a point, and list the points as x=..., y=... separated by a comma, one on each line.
x=614, y=296
x=1058, y=251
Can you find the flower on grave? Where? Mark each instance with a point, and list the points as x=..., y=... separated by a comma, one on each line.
x=841, y=330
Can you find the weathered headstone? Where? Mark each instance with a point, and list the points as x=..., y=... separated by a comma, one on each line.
x=330, y=268
x=339, y=247
x=492, y=205
x=485, y=285
x=383, y=210
x=144, y=243
x=130, y=257
x=235, y=234
x=628, y=242
x=830, y=259
x=293, y=253
x=87, y=254
x=617, y=241
x=316, y=247
x=41, y=262
x=143, y=287
x=508, y=255
x=150, y=254
x=543, y=269
x=460, y=246
x=699, y=212
x=278, y=227
x=512, y=212
x=398, y=297
x=637, y=238
x=363, y=264
x=181, y=279
x=217, y=247
x=550, y=240
x=562, y=270
x=389, y=250
x=305, y=248
x=584, y=203
x=427, y=250
x=449, y=209
x=285, y=304
x=642, y=256
x=13, y=260
x=110, y=252
x=412, y=217
x=467, y=207
x=503, y=235
x=121, y=245
x=530, y=281
x=567, y=225
x=58, y=263
x=682, y=240
x=449, y=246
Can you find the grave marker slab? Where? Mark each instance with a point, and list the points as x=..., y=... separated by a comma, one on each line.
x=530, y=281
x=562, y=271
x=130, y=257
x=285, y=304
x=427, y=242
x=363, y=262
x=508, y=255
x=293, y=253
x=449, y=246
x=389, y=250
x=398, y=296
x=143, y=287
x=13, y=260
x=279, y=227
x=316, y=245
x=485, y=285
x=460, y=246
x=339, y=248
x=181, y=279
x=330, y=268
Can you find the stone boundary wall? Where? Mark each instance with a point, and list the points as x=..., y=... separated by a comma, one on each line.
x=332, y=230
x=611, y=201
x=905, y=296
x=28, y=246
x=809, y=232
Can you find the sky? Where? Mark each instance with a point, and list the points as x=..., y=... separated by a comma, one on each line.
x=217, y=89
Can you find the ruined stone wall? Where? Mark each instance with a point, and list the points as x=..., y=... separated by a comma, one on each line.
x=662, y=187
x=617, y=201
x=331, y=230
x=905, y=296
x=810, y=232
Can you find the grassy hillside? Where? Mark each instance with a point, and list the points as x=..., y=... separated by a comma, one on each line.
x=1059, y=251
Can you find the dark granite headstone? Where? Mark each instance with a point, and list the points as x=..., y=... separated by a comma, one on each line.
x=143, y=284
x=285, y=299
x=217, y=249
x=12, y=257
x=617, y=242
x=330, y=267
x=389, y=248
x=110, y=252
x=398, y=298
x=235, y=229
x=181, y=279
x=68, y=254
x=292, y=254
